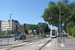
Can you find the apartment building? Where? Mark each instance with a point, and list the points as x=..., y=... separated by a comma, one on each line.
x=9, y=25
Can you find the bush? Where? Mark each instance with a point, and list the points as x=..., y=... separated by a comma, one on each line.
x=73, y=31
x=1, y=33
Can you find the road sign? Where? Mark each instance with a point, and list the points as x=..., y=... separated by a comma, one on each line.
x=63, y=24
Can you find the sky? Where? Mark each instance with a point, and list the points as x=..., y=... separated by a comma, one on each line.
x=25, y=11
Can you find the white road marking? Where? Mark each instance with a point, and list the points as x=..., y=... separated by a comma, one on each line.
x=48, y=45
x=32, y=45
x=41, y=44
x=20, y=44
x=62, y=45
x=65, y=48
x=29, y=44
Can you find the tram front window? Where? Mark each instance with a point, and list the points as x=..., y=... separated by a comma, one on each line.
x=53, y=33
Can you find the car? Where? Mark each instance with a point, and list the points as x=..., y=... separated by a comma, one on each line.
x=20, y=37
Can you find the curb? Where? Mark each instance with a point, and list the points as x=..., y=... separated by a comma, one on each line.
x=72, y=38
x=5, y=44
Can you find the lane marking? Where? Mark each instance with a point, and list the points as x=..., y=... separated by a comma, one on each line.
x=41, y=44
x=62, y=45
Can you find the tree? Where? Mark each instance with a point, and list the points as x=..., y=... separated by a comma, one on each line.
x=43, y=27
x=8, y=32
x=39, y=27
x=53, y=11
x=20, y=30
x=1, y=33
x=67, y=13
x=73, y=31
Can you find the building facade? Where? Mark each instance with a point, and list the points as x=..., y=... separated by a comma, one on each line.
x=23, y=25
x=9, y=25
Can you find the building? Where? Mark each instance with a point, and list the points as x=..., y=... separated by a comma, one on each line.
x=0, y=24
x=22, y=25
x=9, y=25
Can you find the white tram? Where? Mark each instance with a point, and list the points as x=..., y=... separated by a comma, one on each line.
x=53, y=33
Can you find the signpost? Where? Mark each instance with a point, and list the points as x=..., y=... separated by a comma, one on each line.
x=63, y=32
x=15, y=27
x=63, y=24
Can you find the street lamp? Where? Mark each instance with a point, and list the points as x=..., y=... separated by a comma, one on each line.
x=9, y=24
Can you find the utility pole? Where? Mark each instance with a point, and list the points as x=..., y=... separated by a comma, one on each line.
x=60, y=21
x=9, y=26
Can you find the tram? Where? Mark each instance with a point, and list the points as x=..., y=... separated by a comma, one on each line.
x=53, y=33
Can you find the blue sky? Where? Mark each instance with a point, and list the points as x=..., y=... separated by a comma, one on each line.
x=25, y=11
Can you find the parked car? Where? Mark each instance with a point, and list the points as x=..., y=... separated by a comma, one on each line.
x=20, y=37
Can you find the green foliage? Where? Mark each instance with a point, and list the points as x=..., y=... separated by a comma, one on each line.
x=73, y=31
x=68, y=27
x=67, y=14
x=39, y=27
x=20, y=30
x=1, y=33
x=8, y=32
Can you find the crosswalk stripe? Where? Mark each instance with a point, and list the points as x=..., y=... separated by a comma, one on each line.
x=29, y=44
x=48, y=45
x=41, y=44
x=32, y=45
x=65, y=48
x=21, y=44
x=62, y=45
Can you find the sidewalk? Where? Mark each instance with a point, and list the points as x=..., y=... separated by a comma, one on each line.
x=68, y=45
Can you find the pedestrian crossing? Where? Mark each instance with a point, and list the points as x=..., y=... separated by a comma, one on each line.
x=62, y=45
x=38, y=44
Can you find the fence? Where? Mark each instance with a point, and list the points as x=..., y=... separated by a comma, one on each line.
x=10, y=40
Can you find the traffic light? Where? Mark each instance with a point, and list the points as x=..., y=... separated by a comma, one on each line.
x=15, y=26
x=24, y=26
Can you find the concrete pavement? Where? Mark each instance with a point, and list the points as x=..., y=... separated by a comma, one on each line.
x=68, y=45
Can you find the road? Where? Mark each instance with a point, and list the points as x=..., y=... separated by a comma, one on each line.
x=39, y=44
x=11, y=40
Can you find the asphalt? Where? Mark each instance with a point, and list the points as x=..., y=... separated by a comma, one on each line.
x=35, y=43
x=11, y=41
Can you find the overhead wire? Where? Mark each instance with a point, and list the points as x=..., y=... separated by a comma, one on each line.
x=42, y=4
x=27, y=6
x=31, y=6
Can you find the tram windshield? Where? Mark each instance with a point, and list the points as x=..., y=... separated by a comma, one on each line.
x=53, y=32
